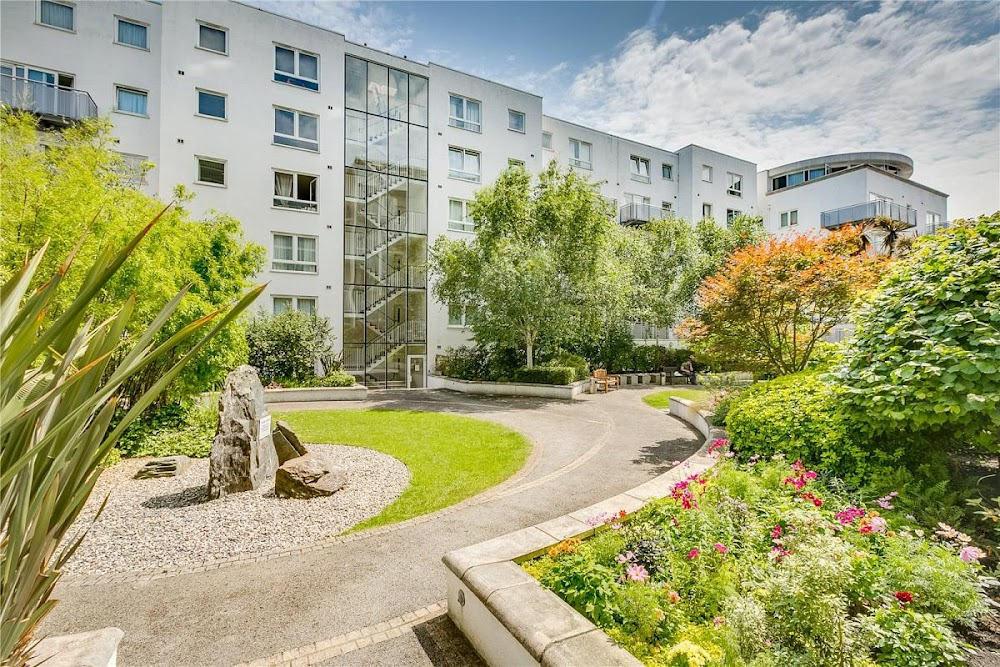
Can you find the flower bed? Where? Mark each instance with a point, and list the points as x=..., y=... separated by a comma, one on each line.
x=765, y=564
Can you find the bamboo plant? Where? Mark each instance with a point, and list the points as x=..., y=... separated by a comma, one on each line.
x=60, y=381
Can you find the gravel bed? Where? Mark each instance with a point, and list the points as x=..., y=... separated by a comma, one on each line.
x=169, y=522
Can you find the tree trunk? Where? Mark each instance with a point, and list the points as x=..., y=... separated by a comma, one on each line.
x=529, y=348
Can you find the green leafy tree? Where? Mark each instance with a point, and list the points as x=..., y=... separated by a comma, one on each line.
x=926, y=352
x=543, y=265
x=60, y=186
x=287, y=347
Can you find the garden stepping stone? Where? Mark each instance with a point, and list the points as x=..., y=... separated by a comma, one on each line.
x=308, y=476
x=168, y=466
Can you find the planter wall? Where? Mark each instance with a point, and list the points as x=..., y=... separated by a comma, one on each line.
x=509, y=618
x=303, y=394
x=563, y=391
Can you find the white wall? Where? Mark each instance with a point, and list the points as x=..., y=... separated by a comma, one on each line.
x=908, y=193
x=694, y=191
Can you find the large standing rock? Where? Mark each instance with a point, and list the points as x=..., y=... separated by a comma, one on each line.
x=287, y=444
x=243, y=456
x=308, y=476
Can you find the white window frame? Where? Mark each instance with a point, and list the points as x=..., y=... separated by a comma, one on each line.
x=789, y=218
x=295, y=303
x=275, y=198
x=668, y=207
x=732, y=214
x=297, y=53
x=547, y=141
x=225, y=171
x=514, y=162
x=575, y=148
x=635, y=165
x=119, y=19
x=669, y=168
x=461, y=322
x=465, y=175
x=706, y=170
x=131, y=89
x=296, y=137
x=211, y=26
x=734, y=184
x=467, y=224
x=511, y=113
x=133, y=170
x=215, y=93
x=307, y=267
x=932, y=221
x=38, y=14
x=706, y=211
x=462, y=123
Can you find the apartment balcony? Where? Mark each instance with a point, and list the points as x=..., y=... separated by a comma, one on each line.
x=637, y=214
x=54, y=104
x=866, y=211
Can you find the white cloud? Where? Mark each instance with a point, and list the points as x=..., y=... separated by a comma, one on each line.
x=361, y=22
x=898, y=79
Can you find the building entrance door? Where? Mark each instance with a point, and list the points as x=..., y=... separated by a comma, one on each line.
x=415, y=371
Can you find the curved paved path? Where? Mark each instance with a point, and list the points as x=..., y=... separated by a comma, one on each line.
x=376, y=595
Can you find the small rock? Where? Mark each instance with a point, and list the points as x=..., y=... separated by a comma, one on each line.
x=292, y=439
x=309, y=476
x=168, y=466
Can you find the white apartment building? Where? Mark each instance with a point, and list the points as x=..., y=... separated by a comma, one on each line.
x=834, y=190
x=345, y=162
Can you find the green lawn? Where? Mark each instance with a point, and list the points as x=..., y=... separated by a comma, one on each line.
x=661, y=399
x=450, y=457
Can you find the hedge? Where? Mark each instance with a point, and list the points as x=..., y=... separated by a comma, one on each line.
x=545, y=375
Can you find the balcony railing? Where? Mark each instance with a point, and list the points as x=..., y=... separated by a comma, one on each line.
x=635, y=214
x=867, y=211
x=52, y=102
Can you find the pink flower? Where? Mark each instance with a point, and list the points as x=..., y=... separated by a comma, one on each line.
x=971, y=554
x=721, y=548
x=777, y=553
x=730, y=455
x=625, y=557
x=636, y=572
x=694, y=553
x=776, y=533
x=879, y=525
x=884, y=501
x=719, y=620
x=847, y=516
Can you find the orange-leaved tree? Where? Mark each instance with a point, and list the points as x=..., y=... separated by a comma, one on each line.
x=770, y=304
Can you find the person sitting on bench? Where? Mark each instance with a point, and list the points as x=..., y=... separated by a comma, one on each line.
x=687, y=370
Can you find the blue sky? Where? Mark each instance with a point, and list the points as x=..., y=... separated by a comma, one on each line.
x=769, y=82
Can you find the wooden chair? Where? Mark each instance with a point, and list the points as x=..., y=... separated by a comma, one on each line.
x=602, y=379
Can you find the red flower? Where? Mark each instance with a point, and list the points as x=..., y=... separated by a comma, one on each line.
x=904, y=597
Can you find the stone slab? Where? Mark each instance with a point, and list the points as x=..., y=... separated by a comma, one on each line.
x=590, y=648
x=536, y=617
x=485, y=580
x=524, y=543
x=565, y=527
x=97, y=648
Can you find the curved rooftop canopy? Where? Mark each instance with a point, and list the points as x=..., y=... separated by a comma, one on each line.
x=894, y=163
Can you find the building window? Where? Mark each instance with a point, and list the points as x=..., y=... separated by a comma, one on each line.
x=213, y=38
x=639, y=168
x=706, y=173
x=130, y=33
x=297, y=191
x=580, y=154
x=463, y=165
x=133, y=170
x=458, y=316
x=511, y=162
x=296, y=129
x=130, y=100
x=211, y=171
x=212, y=105
x=796, y=178
x=547, y=140
x=732, y=214
x=56, y=14
x=734, y=184
x=464, y=113
x=295, y=67
x=790, y=218
x=668, y=171
x=933, y=221
x=706, y=210
x=459, y=219
x=294, y=253
x=515, y=121
x=668, y=209
x=303, y=304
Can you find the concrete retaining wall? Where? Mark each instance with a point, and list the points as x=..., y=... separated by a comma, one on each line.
x=563, y=391
x=506, y=614
x=303, y=394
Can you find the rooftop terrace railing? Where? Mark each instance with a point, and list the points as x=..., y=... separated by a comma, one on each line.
x=868, y=211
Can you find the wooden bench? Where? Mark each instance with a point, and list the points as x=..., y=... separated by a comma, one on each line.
x=602, y=379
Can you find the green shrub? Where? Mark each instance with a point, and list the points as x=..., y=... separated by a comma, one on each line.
x=567, y=359
x=331, y=379
x=545, y=375
x=171, y=431
x=478, y=363
x=905, y=638
x=288, y=347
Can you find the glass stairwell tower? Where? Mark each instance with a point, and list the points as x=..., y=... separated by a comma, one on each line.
x=385, y=225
